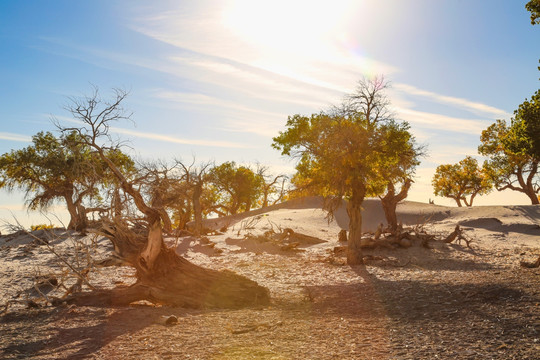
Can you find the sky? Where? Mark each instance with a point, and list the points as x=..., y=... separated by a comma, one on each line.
x=216, y=80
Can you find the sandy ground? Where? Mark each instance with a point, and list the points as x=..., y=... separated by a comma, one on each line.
x=447, y=302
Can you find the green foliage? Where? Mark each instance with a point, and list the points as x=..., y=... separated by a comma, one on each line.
x=58, y=168
x=340, y=153
x=513, y=150
x=239, y=187
x=533, y=6
x=528, y=120
x=458, y=181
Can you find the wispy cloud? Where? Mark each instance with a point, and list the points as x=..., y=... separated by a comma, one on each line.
x=255, y=83
x=301, y=49
x=15, y=137
x=475, y=107
x=236, y=117
x=177, y=140
x=206, y=101
x=162, y=137
x=441, y=122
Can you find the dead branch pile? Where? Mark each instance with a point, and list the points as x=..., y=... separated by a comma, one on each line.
x=405, y=237
x=71, y=268
x=285, y=239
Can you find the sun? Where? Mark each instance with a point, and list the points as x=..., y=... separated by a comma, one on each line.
x=291, y=38
x=290, y=27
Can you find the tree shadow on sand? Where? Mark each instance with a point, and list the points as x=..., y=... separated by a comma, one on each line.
x=78, y=332
x=427, y=259
x=423, y=318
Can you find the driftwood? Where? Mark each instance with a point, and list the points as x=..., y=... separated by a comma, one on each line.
x=401, y=237
x=398, y=237
x=457, y=235
x=291, y=236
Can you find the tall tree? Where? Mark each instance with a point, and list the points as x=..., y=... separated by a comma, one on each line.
x=533, y=6
x=54, y=168
x=528, y=113
x=458, y=181
x=344, y=153
x=511, y=162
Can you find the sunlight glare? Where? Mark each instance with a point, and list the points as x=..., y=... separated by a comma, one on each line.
x=295, y=38
x=285, y=35
x=300, y=26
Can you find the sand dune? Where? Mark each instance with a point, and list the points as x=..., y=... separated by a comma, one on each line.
x=515, y=220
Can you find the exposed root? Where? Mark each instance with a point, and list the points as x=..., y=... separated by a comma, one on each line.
x=177, y=282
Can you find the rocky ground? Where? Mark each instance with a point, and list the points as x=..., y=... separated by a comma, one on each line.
x=447, y=302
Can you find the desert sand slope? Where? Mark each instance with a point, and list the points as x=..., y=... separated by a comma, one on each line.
x=442, y=302
x=520, y=222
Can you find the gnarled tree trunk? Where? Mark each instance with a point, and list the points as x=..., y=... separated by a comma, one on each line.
x=78, y=220
x=165, y=277
x=390, y=200
x=162, y=275
x=175, y=281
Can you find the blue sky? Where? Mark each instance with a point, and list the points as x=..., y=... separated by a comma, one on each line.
x=217, y=79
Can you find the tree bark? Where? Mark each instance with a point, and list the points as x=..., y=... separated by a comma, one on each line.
x=529, y=191
x=197, y=208
x=78, y=220
x=390, y=200
x=354, y=210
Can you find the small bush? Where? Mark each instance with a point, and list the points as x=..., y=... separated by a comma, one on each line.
x=41, y=227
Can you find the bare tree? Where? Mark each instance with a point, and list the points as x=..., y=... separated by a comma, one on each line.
x=195, y=178
x=369, y=99
x=157, y=180
x=162, y=275
x=273, y=185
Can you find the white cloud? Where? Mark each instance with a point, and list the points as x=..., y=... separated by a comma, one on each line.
x=475, y=107
x=308, y=44
x=177, y=140
x=207, y=101
x=15, y=137
x=162, y=137
x=441, y=122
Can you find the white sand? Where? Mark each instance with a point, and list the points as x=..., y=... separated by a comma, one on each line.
x=514, y=228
